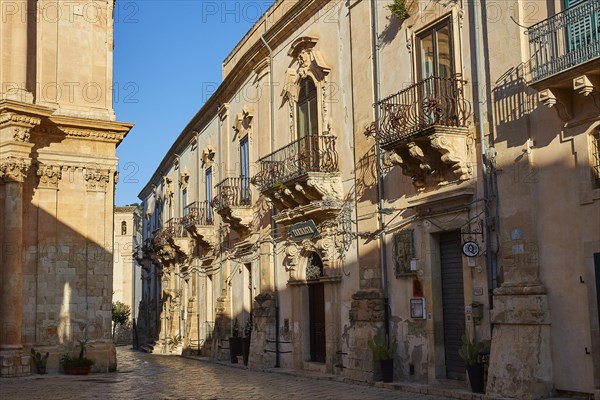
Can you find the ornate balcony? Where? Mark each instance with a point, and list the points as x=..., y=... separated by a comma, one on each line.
x=565, y=57
x=172, y=238
x=302, y=178
x=564, y=41
x=233, y=202
x=426, y=126
x=199, y=222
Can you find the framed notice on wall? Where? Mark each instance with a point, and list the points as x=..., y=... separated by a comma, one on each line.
x=403, y=252
x=417, y=308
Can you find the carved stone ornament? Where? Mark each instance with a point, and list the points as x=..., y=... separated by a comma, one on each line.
x=208, y=155
x=169, y=189
x=97, y=179
x=21, y=134
x=13, y=169
x=49, y=175
x=294, y=252
x=184, y=178
x=308, y=62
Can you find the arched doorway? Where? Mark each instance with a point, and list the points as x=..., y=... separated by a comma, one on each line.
x=316, y=304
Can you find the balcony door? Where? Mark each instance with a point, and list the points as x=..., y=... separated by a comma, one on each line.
x=436, y=93
x=244, y=171
x=307, y=126
x=434, y=55
x=582, y=31
x=209, y=194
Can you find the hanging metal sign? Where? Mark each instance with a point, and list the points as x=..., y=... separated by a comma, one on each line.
x=302, y=230
x=470, y=249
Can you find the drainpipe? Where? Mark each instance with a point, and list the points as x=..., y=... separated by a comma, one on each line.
x=490, y=265
x=273, y=225
x=379, y=155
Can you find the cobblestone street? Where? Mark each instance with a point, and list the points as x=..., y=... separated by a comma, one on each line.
x=145, y=376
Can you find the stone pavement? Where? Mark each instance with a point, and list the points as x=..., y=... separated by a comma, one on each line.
x=145, y=376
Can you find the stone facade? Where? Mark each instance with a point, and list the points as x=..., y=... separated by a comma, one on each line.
x=57, y=170
x=349, y=178
x=127, y=277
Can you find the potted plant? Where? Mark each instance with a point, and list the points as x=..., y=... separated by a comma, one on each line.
x=235, y=342
x=384, y=349
x=39, y=361
x=471, y=352
x=246, y=340
x=174, y=342
x=80, y=365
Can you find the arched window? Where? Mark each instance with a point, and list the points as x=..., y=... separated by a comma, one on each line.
x=308, y=122
x=123, y=228
x=314, y=267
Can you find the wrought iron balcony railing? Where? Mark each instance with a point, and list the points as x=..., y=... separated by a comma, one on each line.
x=310, y=153
x=565, y=40
x=434, y=101
x=232, y=192
x=173, y=228
x=198, y=213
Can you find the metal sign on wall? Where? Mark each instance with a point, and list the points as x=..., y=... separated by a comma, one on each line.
x=302, y=230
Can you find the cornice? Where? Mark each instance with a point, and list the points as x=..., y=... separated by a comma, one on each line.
x=288, y=23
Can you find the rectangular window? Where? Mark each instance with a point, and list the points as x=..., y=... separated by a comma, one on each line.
x=244, y=171
x=184, y=201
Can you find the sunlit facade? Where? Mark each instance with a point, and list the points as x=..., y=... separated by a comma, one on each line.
x=349, y=179
x=58, y=136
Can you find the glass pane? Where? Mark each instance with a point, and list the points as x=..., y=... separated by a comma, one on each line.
x=444, y=52
x=313, y=116
x=427, y=56
x=302, y=120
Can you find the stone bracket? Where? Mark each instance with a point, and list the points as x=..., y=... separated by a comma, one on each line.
x=588, y=85
x=560, y=100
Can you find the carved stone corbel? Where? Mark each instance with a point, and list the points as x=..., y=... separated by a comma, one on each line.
x=558, y=99
x=454, y=153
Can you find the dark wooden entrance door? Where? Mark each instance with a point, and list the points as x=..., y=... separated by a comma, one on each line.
x=453, y=300
x=316, y=299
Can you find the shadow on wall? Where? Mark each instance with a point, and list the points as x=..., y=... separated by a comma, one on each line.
x=513, y=102
x=67, y=284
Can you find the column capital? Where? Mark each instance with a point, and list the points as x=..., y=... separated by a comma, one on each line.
x=13, y=169
x=49, y=175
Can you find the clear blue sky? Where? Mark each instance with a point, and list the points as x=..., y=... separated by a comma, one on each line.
x=167, y=53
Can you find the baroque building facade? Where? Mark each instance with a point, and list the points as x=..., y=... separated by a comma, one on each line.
x=360, y=174
x=58, y=135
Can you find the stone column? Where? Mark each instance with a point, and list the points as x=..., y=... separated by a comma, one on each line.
x=13, y=170
x=520, y=359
